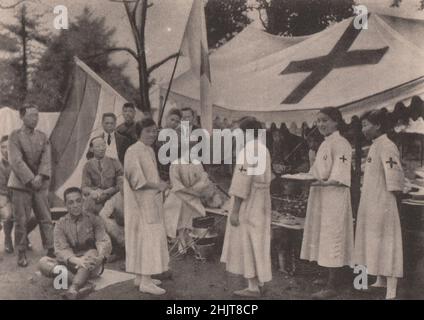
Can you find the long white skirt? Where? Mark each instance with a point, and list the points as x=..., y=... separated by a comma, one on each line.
x=328, y=233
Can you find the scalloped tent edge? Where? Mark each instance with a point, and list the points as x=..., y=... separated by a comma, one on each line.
x=255, y=51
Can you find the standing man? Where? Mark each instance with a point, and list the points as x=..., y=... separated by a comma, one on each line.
x=188, y=115
x=116, y=143
x=127, y=129
x=6, y=208
x=30, y=160
x=5, y=196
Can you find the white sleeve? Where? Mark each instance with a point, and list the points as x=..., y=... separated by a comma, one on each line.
x=393, y=171
x=342, y=159
x=241, y=182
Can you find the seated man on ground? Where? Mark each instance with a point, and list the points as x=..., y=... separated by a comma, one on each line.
x=81, y=245
x=112, y=215
x=100, y=177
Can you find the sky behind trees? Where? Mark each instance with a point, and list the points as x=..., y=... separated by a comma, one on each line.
x=166, y=23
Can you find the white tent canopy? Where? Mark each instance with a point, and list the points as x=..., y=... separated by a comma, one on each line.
x=364, y=69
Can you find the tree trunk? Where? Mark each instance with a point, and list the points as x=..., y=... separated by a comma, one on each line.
x=24, y=39
x=144, y=84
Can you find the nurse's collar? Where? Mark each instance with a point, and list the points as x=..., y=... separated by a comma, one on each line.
x=334, y=134
x=381, y=137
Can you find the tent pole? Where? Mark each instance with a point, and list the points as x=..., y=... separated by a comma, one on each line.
x=161, y=111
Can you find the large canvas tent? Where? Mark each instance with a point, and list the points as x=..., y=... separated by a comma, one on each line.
x=280, y=79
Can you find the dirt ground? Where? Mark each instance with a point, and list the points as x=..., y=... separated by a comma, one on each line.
x=191, y=279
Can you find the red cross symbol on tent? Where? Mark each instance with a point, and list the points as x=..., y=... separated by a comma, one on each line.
x=339, y=57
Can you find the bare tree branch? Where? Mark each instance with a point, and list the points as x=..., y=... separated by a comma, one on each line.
x=144, y=8
x=110, y=50
x=134, y=12
x=129, y=50
x=262, y=5
x=133, y=27
x=261, y=18
x=161, y=62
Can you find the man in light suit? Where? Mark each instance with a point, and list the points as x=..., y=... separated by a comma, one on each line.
x=116, y=143
x=30, y=160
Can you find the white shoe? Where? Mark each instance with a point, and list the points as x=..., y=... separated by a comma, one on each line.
x=152, y=289
x=380, y=283
x=137, y=282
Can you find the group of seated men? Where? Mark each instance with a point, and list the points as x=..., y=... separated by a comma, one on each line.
x=93, y=231
x=102, y=176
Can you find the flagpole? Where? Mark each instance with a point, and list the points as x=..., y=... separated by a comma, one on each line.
x=162, y=110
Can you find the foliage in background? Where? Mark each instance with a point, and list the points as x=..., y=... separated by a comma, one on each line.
x=224, y=19
x=87, y=38
x=302, y=17
x=23, y=44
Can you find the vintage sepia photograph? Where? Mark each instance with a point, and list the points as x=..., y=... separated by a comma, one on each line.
x=212, y=150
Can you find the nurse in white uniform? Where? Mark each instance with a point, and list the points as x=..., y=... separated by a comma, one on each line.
x=328, y=233
x=378, y=242
x=247, y=243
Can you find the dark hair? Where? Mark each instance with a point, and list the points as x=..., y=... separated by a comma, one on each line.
x=71, y=190
x=188, y=109
x=107, y=115
x=284, y=131
x=4, y=138
x=416, y=108
x=335, y=115
x=23, y=109
x=174, y=111
x=251, y=123
x=378, y=118
x=128, y=105
x=143, y=124
x=400, y=113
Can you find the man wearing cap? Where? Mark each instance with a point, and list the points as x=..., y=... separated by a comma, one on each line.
x=81, y=245
x=30, y=160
